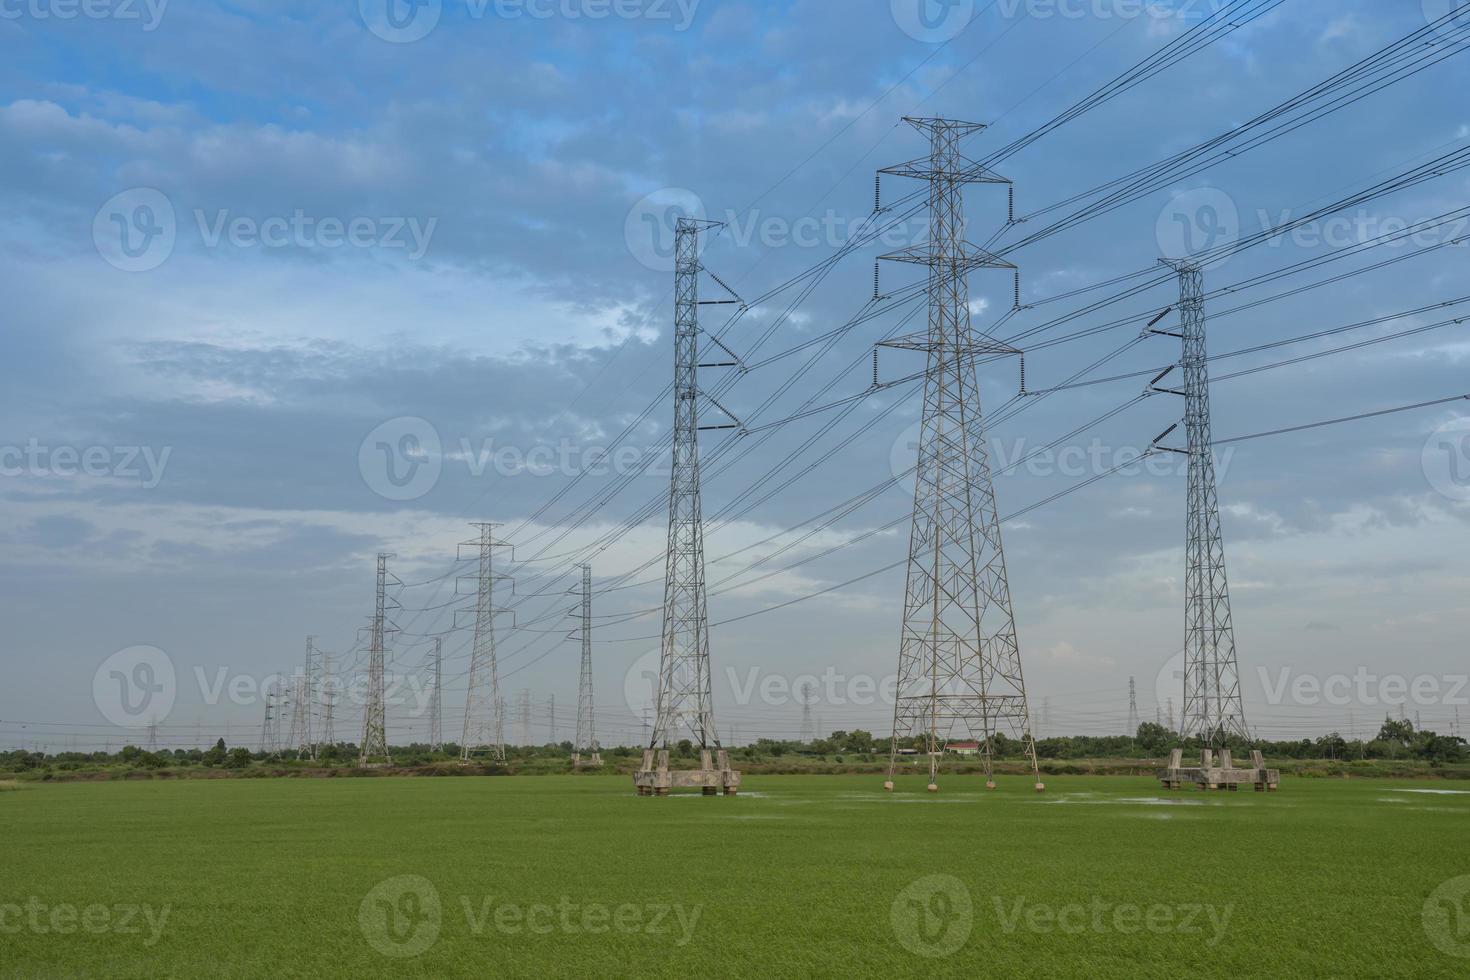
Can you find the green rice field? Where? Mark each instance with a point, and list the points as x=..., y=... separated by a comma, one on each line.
x=797, y=876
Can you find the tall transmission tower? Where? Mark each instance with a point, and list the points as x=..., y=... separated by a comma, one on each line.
x=959, y=661
x=484, y=717
x=1212, y=709
x=267, y=727
x=585, y=752
x=300, y=712
x=551, y=716
x=375, y=720
x=329, y=701
x=525, y=715
x=1132, y=708
x=808, y=733
x=685, y=699
x=293, y=697
x=313, y=694
x=436, y=715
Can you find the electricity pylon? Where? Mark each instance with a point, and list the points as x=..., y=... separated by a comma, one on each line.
x=1212, y=709
x=436, y=720
x=329, y=701
x=585, y=752
x=959, y=661
x=484, y=717
x=299, y=741
x=267, y=727
x=551, y=716
x=525, y=714
x=685, y=700
x=375, y=719
x=1132, y=708
x=808, y=734
x=307, y=748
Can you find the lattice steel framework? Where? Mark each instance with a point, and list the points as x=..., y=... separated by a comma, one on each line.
x=587, y=752
x=436, y=712
x=959, y=662
x=1212, y=704
x=685, y=701
x=375, y=720
x=484, y=713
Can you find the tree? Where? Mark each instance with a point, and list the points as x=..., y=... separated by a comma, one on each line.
x=216, y=755
x=1154, y=738
x=239, y=758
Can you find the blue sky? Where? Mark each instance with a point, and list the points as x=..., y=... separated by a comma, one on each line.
x=338, y=228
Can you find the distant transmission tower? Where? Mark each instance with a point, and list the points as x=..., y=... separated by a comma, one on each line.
x=484, y=718
x=153, y=735
x=1132, y=708
x=329, y=700
x=808, y=733
x=310, y=694
x=685, y=699
x=299, y=741
x=1212, y=704
x=551, y=716
x=1170, y=710
x=525, y=715
x=267, y=727
x=375, y=720
x=959, y=662
x=585, y=752
x=436, y=715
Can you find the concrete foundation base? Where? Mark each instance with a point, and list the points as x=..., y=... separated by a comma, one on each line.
x=655, y=778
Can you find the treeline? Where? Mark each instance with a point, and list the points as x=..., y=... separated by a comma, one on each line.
x=1397, y=740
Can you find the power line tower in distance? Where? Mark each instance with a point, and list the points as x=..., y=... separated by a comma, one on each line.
x=585, y=752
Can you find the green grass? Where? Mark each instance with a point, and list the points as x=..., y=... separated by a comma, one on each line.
x=799, y=876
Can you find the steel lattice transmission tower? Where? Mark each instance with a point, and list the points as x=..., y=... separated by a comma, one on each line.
x=484, y=713
x=1212, y=709
x=585, y=752
x=436, y=714
x=329, y=701
x=375, y=720
x=1133, y=721
x=808, y=733
x=685, y=702
x=959, y=662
